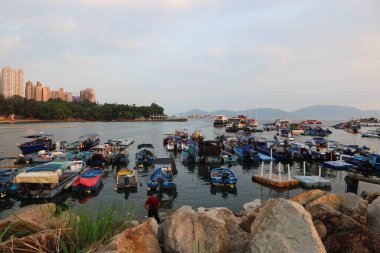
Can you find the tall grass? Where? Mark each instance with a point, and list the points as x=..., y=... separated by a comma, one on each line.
x=89, y=229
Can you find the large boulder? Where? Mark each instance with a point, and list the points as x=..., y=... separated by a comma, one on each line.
x=374, y=216
x=141, y=238
x=252, y=205
x=308, y=196
x=45, y=241
x=344, y=234
x=284, y=226
x=370, y=196
x=209, y=230
x=354, y=207
x=31, y=219
x=329, y=199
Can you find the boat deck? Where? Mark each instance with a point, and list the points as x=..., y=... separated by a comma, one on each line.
x=338, y=165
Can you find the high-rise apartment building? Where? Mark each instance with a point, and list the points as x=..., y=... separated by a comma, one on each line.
x=29, y=89
x=88, y=95
x=45, y=93
x=68, y=97
x=38, y=92
x=12, y=82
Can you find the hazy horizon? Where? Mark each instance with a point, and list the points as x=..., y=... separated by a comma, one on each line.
x=205, y=54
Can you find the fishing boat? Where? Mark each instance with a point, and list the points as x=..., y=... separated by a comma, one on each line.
x=88, y=141
x=359, y=161
x=209, y=151
x=372, y=133
x=299, y=150
x=274, y=149
x=243, y=152
x=7, y=186
x=120, y=154
x=89, y=180
x=223, y=177
x=284, y=135
x=49, y=179
x=320, y=150
x=190, y=155
x=176, y=144
x=145, y=155
x=220, y=120
x=228, y=157
x=374, y=160
x=126, y=178
x=161, y=179
x=36, y=143
x=197, y=136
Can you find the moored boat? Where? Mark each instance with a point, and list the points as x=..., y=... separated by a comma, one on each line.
x=223, y=177
x=36, y=143
x=161, y=179
x=88, y=141
x=220, y=120
x=89, y=180
x=126, y=178
x=48, y=180
x=145, y=155
x=7, y=186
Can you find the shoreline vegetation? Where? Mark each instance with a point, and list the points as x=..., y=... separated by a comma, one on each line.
x=55, y=110
x=322, y=221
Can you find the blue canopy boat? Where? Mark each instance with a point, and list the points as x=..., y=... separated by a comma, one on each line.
x=374, y=160
x=360, y=161
x=145, y=155
x=7, y=186
x=223, y=177
x=36, y=143
x=161, y=179
x=88, y=141
x=243, y=153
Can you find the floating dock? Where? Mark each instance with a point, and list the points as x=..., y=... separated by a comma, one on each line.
x=276, y=181
x=338, y=165
x=313, y=181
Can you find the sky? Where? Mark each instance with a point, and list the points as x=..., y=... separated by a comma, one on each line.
x=205, y=54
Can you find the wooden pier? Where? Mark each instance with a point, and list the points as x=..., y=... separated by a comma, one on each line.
x=275, y=180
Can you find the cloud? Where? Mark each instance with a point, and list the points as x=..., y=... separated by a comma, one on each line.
x=219, y=51
x=11, y=43
x=277, y=54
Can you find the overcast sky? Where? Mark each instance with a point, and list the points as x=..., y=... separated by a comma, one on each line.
x=205, y=54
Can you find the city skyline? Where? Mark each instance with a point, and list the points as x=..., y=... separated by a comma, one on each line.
x=12, y=84
x=205, y=54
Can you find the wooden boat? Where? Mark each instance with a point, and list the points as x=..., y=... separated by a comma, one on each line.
x=223, y=177
x=89, y=180
x=49, y=179
x=126, y=178
x=36, y=143
x=7, y=186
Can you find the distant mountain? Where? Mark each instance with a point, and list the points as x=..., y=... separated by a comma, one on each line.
x=195, y=112
x=327, y=112
x=229, y=113
x=322, y=112
x=266, y=113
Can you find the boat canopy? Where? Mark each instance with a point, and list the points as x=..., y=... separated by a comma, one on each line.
x=35, y=136
x=89, y=135
x=145, y=146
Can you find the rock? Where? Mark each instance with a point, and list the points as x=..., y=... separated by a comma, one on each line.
x=201, y=209
x=371, y=196
x=374, y=216
x=329, y=199
x=211, y=230
x=284, y=226
x=142, y=238
x=308, y=196
x=134, y=223
x=46, y=241
x=252, y=205
x=247, y=218
x=30, y=218
x=354, y=207
x=321, y=228
x=344, y=234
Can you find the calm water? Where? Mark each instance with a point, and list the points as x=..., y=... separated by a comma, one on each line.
x=192, y=181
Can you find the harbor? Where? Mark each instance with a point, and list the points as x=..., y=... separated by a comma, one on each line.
x=193, y=181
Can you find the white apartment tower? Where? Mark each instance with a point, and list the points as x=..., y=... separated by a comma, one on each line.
x=12, y=82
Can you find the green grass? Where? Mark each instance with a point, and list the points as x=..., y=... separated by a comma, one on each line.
x=90, y=229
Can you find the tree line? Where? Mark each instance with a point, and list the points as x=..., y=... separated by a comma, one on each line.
x=56, y=109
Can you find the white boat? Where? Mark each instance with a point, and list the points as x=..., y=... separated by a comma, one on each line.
x=220, y=120
x=48, y=180
x=176, y=146
x=371, y=134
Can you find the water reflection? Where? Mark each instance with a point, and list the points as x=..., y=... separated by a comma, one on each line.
x=127, y=191
x=224, y=192
x=83, y=197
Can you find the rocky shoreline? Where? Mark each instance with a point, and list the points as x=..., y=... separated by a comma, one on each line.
x=313, y=221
